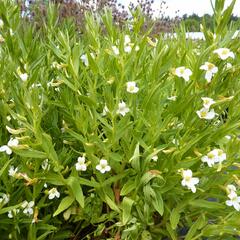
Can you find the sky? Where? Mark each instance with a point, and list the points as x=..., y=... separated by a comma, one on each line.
x=199, y=7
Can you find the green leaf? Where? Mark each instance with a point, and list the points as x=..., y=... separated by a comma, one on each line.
x=126, y=207
x=127, y=188
x=64, y=204
x=195, y=226
x=135, y=161
x=75, y=186
x=199, y=203
x=158, y=203
x=174, y=218
x=31, y=153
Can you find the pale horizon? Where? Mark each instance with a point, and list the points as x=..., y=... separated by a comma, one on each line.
x=199, y=7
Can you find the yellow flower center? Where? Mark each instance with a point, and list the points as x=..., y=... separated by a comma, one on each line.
x=182, y=70
x=203, y=114
x=131, y=88
x=225, y=51
x=210, y=66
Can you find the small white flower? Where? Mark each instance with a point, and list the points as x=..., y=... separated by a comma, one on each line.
x=215, y=156
x=13, y=212
x=207, y=102
x=12, y=172
x=127, y=39
x=1, y=23
x=137, y=48
x=23, y=76
x=132, y=87
x=220, y=155
x=122, y=108
x=81, y=165
x=127, y=49
x=228, y=137
x=206, y=114
x=105, y=110
x=84, y=59
x=183, y=72
x=4, y=199
x=115, y=50
x=172, y=98
x=210, y=69
x=11, y=32
x=28, y=207
x=210, y=159
x=229, y=66
x=224, y=53
x=234, y=200
x=45, y=185
x=13, y=142
x=45, y=165
x=155, y=158
x=231, y=188
x=189, y=181
x=52, y=193
x=103, y=166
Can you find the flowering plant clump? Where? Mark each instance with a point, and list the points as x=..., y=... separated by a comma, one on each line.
x=113, y=135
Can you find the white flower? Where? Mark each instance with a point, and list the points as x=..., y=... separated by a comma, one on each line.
x=28, y=207
x=231, y=188
x=131, y=87
x=221, y=156
x=52, y=193
x=189, y=181
x=224, y=53
x=81, y=165
x=183, y=72
x=234, y=200
x=172, y=98
x=155, y=158
x=4, y=199
x=13, y=142
x=45, y=185
x=210, y=159
x=210, y=69
x=228, y=137
x=1, y=23
x=12, y=172
x=127, y=49
x=24, y=76
x=122, y=108
x=11, y=32
x=206, y=114
x=13, y=212
x=215, y=156
x=115, y=50
x=228, y=66
x=105, y=110
x=45, y=165
x=137, y=48
x=84, y=59
x=103, y=166
x=207, y=102
x=127, y=39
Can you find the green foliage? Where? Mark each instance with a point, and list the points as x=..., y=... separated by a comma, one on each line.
x=91, y=167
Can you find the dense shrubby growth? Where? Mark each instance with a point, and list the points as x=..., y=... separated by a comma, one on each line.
x=114, y=135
